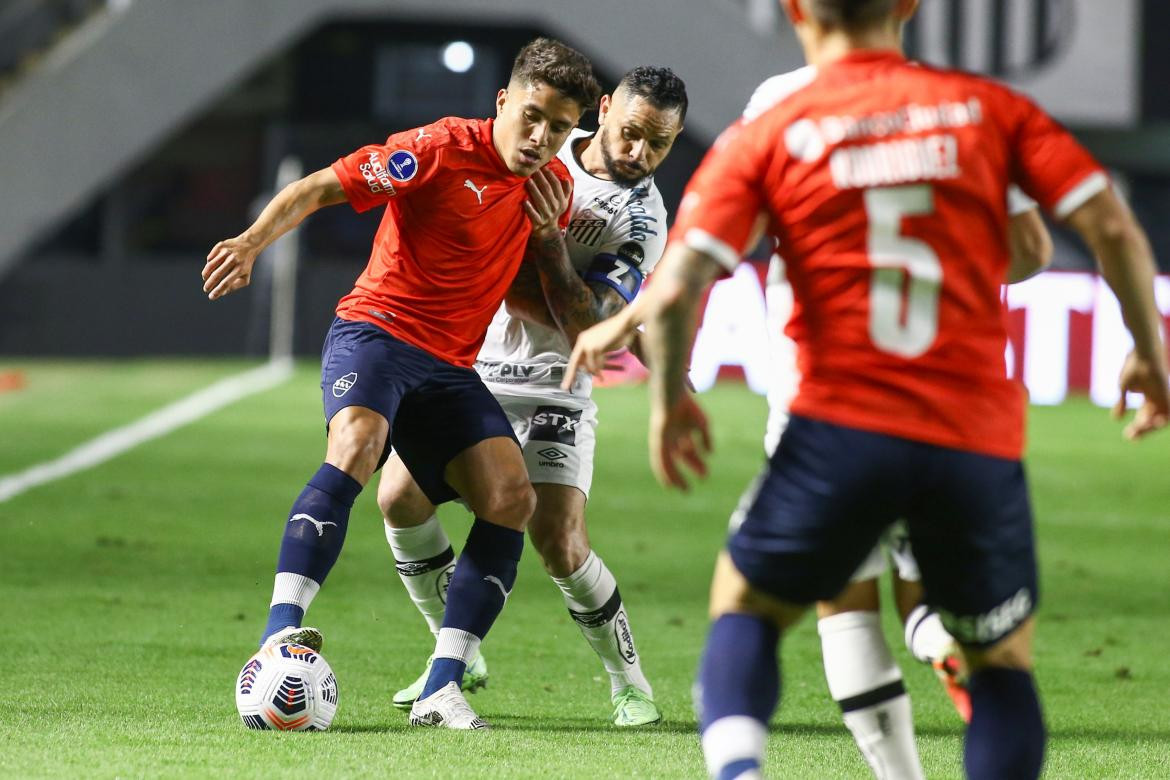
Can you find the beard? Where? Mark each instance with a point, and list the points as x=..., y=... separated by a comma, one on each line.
x=622, y=175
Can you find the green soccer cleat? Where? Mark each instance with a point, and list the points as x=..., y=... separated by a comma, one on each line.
x=632, y=707
x=474, y=678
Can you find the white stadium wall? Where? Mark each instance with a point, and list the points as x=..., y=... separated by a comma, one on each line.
x=1066, y=335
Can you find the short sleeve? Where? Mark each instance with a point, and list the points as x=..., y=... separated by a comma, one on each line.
x=373, y=174
x=1049, y=164
x=638, y=234
x=724, y=197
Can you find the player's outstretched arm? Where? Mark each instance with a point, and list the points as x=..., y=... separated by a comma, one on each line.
x=229, y=263
x=678, y=427
x=1127, y=263
x=1030, y=244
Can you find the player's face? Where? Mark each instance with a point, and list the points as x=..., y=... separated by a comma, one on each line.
x=635, y=136
x=532, y=121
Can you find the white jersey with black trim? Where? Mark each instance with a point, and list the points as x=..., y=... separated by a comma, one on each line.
x=616, y=235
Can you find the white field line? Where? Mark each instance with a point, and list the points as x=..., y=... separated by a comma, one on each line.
x=152, y=426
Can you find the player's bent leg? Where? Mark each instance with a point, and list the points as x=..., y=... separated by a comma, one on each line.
x=865, y=681
x=739, y=675
x=315, y=531
x=929, y=642
x=491, y=477
x=422, y=552
x=593, y=599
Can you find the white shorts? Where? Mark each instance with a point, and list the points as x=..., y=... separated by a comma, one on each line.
x=558, y=436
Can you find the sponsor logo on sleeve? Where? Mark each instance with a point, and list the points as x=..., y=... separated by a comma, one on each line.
x=632, y=252
x=374, y=172
x=401, y=165
x=556, y=424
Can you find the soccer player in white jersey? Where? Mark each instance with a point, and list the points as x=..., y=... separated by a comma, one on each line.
x=616, y=234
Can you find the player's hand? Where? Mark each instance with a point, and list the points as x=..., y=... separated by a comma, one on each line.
x=593, y=346
x=1139, y=375
x=229, y=267
x=548, y=199
x=679, y=435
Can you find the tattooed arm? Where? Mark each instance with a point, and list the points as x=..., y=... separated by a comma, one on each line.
x=525, y=298
x=574, y=303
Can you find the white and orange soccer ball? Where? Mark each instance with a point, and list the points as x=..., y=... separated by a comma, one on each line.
x=287, y=688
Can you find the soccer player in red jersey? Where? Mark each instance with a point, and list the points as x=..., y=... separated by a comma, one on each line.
x=462, y=197
x=883, y=183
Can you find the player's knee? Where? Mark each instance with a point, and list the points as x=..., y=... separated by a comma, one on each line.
x=356, y=443
x=561, y=547
x=510, y=505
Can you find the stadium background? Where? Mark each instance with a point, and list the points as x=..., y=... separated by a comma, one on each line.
x=136, y=133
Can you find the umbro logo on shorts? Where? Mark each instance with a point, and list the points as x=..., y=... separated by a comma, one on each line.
x=342, y=385
x=552, y=453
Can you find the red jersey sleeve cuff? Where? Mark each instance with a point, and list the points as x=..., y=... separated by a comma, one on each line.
x=1080, y=194
x=719, y=251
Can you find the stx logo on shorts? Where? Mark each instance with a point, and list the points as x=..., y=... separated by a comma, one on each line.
x=555, y=424
x=342, y=385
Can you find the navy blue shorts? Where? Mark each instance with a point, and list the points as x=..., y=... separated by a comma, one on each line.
x=829, y=491
x=435, y=410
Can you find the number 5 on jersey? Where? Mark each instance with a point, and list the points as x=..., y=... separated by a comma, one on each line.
x=903, y=317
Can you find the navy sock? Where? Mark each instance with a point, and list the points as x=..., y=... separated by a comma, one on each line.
x=476, y=594
x=738, y=674
x=1006, y=737
x=313, y=536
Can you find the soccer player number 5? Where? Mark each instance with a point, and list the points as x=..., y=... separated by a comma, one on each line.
x=906, y=329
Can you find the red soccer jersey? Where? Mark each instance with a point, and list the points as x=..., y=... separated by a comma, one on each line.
x=883, y=182
x=451, y=239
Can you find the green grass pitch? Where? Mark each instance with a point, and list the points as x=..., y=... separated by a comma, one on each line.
x=131, y=594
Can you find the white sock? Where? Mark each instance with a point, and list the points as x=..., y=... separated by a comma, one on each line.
x=731, y=739
x=866, y=682
x=592, y=596
x=425, y=561
x=292, y=588
x=926, y=639
x=456, y=643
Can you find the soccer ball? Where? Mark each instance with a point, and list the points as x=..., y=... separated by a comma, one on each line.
x=288, y=688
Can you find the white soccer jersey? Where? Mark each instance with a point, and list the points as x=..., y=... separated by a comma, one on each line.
x=616, y=236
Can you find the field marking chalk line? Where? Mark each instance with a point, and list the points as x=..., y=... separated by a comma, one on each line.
x=159, y=423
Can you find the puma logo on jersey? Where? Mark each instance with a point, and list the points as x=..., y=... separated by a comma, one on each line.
x=318, y=524
x=477, y=190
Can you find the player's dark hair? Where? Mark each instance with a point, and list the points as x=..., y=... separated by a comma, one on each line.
x=661, y=86
x=850, y=14
x=562, y=67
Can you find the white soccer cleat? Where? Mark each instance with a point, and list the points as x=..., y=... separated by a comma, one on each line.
x=446, y=707
x=296, y=635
